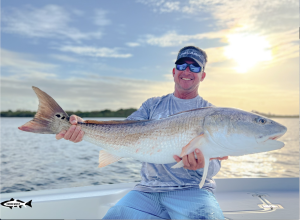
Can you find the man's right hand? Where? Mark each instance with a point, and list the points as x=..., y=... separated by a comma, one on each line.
x=74, y=134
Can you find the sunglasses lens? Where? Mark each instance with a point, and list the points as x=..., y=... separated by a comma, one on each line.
x=195, y=69
x=181, y=66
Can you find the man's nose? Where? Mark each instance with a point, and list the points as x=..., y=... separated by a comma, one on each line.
x=187, y=69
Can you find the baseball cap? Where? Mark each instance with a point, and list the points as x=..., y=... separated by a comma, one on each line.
x=193, y=53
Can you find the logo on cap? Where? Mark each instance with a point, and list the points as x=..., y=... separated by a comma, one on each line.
x=193, y=53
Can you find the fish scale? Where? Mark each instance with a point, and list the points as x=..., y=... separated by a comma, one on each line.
x=217, y=132
x=161, y=138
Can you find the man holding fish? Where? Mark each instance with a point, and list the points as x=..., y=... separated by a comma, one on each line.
x=164, y=192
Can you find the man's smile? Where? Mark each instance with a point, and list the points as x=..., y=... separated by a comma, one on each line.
x=186, y=79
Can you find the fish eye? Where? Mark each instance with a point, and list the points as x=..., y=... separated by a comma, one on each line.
x=262, y=121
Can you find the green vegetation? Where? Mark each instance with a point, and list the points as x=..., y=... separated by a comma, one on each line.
x=275, y=116
x=105, y=113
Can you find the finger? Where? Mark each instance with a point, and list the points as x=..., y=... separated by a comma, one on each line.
x=73, y=119
x=192, y=160
x=79, y=119
x=200, y=159
x=186, y=162
x=219, y=158
x=60, y=135
x=222, y=158
x=70, y=132
x=79, y=137
x=75, y=133
x=178, y=159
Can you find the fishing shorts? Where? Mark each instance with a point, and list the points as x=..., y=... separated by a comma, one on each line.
x=191, y=203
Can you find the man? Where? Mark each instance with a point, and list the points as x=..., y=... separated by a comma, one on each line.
x=166, y=193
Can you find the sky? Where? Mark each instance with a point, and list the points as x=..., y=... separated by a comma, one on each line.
x=97, y=54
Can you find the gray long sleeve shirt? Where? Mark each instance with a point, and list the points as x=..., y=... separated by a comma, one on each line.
x=161, y=177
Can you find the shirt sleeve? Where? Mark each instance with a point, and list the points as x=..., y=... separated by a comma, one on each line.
x=216, y=167
x=143, y=113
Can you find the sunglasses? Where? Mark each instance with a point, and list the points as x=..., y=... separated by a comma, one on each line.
x=193, y=67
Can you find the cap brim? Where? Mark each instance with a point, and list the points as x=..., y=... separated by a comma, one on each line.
x=199, y=63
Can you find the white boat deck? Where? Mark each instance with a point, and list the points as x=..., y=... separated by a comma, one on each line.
x=244, y=198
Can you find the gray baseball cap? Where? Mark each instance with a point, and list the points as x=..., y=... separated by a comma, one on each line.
x=193, y=53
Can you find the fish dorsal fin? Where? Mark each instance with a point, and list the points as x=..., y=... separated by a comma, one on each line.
x=114, y=122
x=196, y=109
x=106, y=158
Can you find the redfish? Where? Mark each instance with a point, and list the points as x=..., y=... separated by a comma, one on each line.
x=217, y=132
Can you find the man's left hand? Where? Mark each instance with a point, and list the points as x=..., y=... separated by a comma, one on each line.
x=191, y=163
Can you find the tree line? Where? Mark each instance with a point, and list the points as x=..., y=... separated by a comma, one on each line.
x=104, y=113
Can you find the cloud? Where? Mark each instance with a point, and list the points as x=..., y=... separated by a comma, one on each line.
x=20, y=65
x=171, y=38
x=85, y=90
x=89, y=93
x=162, y=5
x=50, y=21
x=133, y=44
x=65, y=58
x=95, y=52
x=258, y=14
x=100, y=18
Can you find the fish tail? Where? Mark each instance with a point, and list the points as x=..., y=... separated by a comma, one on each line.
x=29, y=203
x=50, y=117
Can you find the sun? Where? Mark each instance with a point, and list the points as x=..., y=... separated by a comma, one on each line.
x=247, y=50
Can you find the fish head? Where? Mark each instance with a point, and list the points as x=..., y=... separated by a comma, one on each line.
x=242, y=132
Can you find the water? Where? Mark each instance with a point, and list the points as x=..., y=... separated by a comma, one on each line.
x=36, y=161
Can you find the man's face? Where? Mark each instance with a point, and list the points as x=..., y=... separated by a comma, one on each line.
x=187, y=81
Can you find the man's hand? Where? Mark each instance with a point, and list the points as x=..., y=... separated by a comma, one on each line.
x=191, y=163
x=74, y=134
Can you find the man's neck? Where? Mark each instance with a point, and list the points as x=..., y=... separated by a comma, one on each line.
x=185, y=95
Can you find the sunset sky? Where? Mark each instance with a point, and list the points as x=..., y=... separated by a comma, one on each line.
x=97, y=54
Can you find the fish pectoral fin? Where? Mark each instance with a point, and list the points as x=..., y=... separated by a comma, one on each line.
x=206, y=164
x=106, y=158
x=178, y=165
x=192, y=145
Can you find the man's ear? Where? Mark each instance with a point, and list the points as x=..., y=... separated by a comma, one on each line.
x=173, y=72
x=203, y=76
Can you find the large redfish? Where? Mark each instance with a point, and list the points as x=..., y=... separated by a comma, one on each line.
x=217, y=132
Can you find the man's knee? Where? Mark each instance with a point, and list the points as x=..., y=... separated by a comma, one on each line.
x=116, y=212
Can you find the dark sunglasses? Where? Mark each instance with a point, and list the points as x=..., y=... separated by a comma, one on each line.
x=193, y=67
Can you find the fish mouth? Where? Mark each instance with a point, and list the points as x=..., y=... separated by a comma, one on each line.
x=275, y=137
x=271, y=143
x=270, y=137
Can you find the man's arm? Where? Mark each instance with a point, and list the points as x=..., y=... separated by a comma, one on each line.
x=75, y=134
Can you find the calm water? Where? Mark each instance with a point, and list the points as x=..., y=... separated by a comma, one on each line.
x=36, y=161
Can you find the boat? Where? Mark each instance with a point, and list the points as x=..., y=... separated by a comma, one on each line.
x=239, y=198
